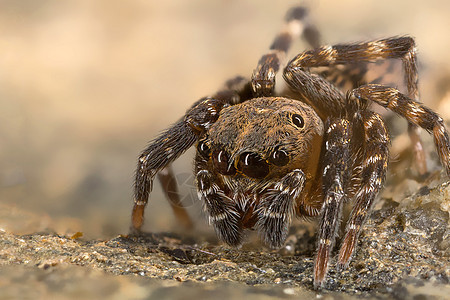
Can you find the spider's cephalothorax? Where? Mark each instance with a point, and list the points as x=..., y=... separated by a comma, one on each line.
x=242, y=177
x=263, y=156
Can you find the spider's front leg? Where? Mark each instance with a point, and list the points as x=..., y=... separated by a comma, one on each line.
x=335, y=177
x=168, y=147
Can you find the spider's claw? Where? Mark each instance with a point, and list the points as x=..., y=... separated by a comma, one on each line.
x=321, y=265
x=137, y=217
x=347, y=249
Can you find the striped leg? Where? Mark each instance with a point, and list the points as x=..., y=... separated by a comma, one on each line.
x=173, y=142
x=221, y=210
x=159, y=154
x=372, y=173
x=337, y=156
x=297, y=24
x=276, y=208
x=413, y=111
x=399, y=48
x=311, y=86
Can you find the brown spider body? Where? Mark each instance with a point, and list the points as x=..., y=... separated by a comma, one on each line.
x=248, y=150
x=263, y=157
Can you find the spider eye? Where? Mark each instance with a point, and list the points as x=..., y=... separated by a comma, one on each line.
x=203, y=149
x=221, y=163
x=252, y=165
x=298, y=121
x=279, y=157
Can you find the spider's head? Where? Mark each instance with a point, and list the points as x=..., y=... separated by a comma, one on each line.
x=261, y=140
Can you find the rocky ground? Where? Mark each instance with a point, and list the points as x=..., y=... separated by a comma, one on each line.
x=403, y=253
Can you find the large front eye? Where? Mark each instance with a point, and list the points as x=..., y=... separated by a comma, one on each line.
x=279, y=157
x=298, y=121
x=221, y=163
x=252, y=165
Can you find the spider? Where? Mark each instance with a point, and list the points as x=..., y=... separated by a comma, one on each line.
x=264, y=156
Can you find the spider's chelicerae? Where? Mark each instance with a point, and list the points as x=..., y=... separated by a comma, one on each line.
x=263, y=157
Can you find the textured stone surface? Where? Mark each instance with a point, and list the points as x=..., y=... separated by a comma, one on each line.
x=403, y=252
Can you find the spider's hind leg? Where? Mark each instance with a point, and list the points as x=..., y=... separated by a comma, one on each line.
x=297, y=24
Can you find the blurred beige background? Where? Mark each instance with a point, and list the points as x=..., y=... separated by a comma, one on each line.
x=84, y=85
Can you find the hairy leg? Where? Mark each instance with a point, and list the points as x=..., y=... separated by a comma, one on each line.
x=336, y=158
x=324, y=96
x=297, y=24
x=166, y=148
x=391, y=48
x=415, y=112
x=371, y=174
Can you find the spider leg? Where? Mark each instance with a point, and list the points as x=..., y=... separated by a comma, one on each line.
x=221, y=210
x=276, y=208
x=241, y=87
x=391, y=48
x=345, y=77
x=371, y=174
x=415, y=112
x=166, y=148
x=297, y=24
x=336, y=158
x=170, y=189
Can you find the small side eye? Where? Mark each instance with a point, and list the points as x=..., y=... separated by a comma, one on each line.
x=298, y=121
x=279, y=157
x=203, y=149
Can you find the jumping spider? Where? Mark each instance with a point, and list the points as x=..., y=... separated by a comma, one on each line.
x=263, y=157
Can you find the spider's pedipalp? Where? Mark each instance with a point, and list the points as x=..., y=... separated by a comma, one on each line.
x=221, y=210
x=276, y=208
x=336, y=160
x=415, y=112
x=371, y=173
x=297, y=24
